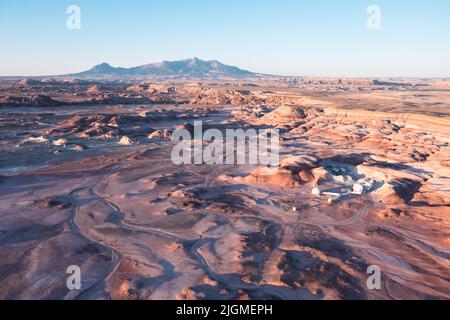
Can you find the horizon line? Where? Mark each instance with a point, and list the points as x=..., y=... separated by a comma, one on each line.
x=69, y=75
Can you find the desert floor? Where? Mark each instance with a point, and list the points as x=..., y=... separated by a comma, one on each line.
x=73, y=192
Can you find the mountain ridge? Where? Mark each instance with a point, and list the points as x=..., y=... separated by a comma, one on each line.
x=193, y=67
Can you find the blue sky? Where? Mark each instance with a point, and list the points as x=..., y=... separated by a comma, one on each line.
x=289, y=37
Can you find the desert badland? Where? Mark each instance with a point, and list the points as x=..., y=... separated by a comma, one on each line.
x=86, y=179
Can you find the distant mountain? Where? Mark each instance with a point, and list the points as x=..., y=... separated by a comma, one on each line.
x=184, y=68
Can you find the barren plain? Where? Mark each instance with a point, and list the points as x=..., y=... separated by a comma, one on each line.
x=86, y=179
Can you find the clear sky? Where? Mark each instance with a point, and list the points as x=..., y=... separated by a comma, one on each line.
x=288, y=37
